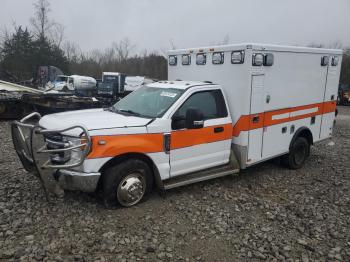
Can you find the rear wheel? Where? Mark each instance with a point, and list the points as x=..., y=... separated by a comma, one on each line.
x=298, y=153
x=127, y=183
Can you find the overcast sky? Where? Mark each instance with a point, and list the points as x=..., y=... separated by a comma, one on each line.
x=151, y=24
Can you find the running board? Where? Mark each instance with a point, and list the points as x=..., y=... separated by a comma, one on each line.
x=199, y=176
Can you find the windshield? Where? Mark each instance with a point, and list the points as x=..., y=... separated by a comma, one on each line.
x=110, y=78
x=148, y=101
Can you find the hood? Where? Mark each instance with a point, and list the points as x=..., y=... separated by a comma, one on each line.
x=91, y=119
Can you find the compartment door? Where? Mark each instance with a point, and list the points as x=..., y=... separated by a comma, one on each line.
x=329, y=105
x=255, y=137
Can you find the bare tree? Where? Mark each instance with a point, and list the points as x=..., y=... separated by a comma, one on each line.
x=123, y=49
x=72, y=51
x=226, y=40
x=57, y=33
x=336, y=45
x=172, y=44
x=41, y=22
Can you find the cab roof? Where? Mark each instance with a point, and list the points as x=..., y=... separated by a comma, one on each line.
x=179, y=84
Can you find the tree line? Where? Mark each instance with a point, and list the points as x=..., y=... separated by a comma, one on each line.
x=24, y=49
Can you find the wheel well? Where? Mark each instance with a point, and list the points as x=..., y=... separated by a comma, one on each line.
x=118, y=159
x=303, y=132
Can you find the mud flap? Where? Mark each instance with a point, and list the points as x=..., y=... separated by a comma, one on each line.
x=41, y=159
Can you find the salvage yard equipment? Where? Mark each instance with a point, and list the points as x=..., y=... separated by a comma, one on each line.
x=17, y=101
x=238, y=105
x=11, y=104
x=76, y=84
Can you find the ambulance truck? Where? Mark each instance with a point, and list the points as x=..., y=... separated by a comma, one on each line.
x=222, y=109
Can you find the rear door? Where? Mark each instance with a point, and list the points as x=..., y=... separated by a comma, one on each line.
x=329, y=101
x=256, y=118
x=197, y=149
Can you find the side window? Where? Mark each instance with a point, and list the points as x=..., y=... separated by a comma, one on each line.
x=211, y=103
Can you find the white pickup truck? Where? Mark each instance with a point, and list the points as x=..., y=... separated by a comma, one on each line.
x=267, y=101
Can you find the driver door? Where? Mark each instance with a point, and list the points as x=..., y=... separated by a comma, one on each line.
x=194, y=149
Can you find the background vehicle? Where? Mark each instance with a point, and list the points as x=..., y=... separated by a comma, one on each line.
x=77, y=84
x=112, y=84
x=267, y=101
x=116, y=85
x=134, y=82
x=344, y=94
x=46, y=74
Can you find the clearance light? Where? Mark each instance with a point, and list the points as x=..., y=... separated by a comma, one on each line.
x=173, y=60
x=324, y=60
x=186, y=59
x=237, y=57
x=201, y=59
x=268, y=59
x=335, y=60
x=258, y=59
x=102, y=142
x=218, y=58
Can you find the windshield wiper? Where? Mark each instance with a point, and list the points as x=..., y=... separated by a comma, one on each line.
x=110, y=109
x=129, y=112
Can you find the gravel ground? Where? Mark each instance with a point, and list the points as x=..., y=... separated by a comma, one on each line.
x=266, y=213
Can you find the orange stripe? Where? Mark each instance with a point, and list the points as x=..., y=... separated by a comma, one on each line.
x=245, y=123
x=329, y=107
x=151, y=143
x=192, y=137
x=122, y=144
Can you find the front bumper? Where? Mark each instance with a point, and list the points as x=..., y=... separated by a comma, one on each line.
x=36, y=153
x=72, y=180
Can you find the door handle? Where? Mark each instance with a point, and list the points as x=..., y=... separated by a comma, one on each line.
x=256, y=119
x=218, y=129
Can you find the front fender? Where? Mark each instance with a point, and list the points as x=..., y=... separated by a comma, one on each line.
x=112, y=146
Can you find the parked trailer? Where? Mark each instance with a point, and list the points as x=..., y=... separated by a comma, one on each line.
x=11, y=103
x=261, y=102
x=17, y=101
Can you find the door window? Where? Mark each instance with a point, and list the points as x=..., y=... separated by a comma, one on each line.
x=210, y=103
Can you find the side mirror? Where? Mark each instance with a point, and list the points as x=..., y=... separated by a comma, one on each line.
x=194, y=118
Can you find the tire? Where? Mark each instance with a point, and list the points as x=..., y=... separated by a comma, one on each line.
x=127, y=183
x=65, y=89
x=298, y=153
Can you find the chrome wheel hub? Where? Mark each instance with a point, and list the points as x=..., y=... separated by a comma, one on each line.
x=131, y=189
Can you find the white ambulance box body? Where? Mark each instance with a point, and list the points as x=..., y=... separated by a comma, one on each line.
x=272, y=91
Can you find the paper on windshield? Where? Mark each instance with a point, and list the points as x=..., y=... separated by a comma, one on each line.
x=168, y=94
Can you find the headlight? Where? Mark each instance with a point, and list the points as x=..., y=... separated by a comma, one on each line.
x=57, y=141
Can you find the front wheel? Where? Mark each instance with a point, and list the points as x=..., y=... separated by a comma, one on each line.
x=298, y=153
x=127, y=183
